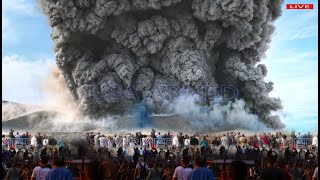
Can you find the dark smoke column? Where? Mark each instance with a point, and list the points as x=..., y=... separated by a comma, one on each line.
x=109, y=45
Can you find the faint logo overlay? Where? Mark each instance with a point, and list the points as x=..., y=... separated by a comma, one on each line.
x=117, y=93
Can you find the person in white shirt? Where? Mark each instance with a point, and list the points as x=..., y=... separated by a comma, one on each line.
x=141, y=152
x=45, y=142
x=187, y=142
x=124, y=143
x=18, y=135
x=40, y=172
x=225, y=141
x=315, y=141
x=159, y=135
x=34, y=141
x=175, y=141
x=182, y=172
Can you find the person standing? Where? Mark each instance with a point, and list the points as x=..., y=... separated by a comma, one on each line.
x=34, y=141
x=225, y=141
x=315, y=141
x=40, y=172
x=175, y=141
x=182, y=172
x=201, y=172
x=59, y=171
x=18, y=140
x=141, y=171
x=272, y=172
x=108, y=169
x=13, y=173
x=155, y=173
x=204, y=143
x=45, y=141
x=144, y=142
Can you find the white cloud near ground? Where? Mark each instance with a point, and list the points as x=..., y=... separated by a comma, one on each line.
x=22, y=79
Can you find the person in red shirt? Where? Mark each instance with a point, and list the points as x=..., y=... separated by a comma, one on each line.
x=265, y=140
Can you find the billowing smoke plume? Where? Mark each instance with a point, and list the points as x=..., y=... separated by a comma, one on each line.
x=105, y=46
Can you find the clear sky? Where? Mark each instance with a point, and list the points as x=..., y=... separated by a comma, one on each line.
x=292, y=59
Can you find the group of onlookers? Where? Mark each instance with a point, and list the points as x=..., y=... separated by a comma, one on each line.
x=165, y=156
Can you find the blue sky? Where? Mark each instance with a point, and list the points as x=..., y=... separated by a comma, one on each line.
x=292, y=59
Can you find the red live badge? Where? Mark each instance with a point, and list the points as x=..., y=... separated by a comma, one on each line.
x=299, y=6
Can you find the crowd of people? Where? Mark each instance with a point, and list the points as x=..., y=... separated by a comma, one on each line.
x=163, y=156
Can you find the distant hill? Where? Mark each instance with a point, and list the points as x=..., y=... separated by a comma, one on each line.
x=12, y=110
x=29, y=121
x=23, y=117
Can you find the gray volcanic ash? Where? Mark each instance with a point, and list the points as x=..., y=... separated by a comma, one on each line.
x=148, y=43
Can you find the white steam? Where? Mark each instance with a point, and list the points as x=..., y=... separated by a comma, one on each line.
x=217, y=116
